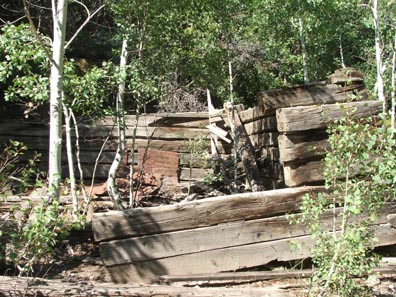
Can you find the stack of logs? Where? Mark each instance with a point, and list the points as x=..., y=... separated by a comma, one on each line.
x=287, y=128
x=279, y=143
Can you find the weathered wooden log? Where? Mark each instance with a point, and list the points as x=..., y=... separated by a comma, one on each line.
x=245, y=150
x=270, y=153
x=298, y=173
x=309, y=94
x=302, y=146
x=346, y=76
x=20, y=286
x=235, y=277
x=229, y=259
x=252, y=114
x=194, y=214
x=302, y=118
x=223, y=236
x=266, y=139
x=266, y=124
x=144, y=132
x=194, y=174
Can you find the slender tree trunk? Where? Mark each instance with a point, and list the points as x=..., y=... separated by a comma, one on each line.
x=342, y=53
x=378, y=55
x=111, y=181
x=393, y=99
x=303, y=44
x=59, y=14
x=73, y=188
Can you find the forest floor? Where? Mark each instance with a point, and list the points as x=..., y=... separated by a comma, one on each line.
x=77, y=261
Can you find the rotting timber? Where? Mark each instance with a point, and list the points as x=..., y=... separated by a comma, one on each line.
x=223, y=233
x=240, y=231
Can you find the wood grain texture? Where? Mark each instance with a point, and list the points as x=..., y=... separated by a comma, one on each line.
x=231, y=259
x=297, y=174
x=302, y=146
x=20, y=286
x=302, y=118
x=266, y=124
x=212, y=238
x=201, y=213
x=309, y=94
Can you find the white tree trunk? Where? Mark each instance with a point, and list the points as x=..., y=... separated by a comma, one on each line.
x=378, y=55
x=303, y=44
x=111, y=181
x=70, y=161
x=59, y=14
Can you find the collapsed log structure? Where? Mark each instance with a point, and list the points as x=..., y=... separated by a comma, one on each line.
x=212, y=235
x=279, y=145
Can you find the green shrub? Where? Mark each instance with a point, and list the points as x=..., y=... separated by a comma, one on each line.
x=360, y=172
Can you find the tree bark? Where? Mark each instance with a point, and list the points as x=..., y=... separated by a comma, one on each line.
x=378, y=55
x=59, y=14
x=303, y=44
x=111, y=181
x=70, y=161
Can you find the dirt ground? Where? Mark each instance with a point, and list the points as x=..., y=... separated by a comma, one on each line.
x=77, y=260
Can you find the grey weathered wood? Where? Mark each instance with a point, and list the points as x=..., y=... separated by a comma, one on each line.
x=346, y=75
x=185, y=159
x=266, y=124
x=252, y=114
x=212, y=238
x=304, y=95
x=304, y=118
x=144, y=132
x=20, y=286
x=195, y=174
x=270, y=153
x=236, y=277
x=194, y=214
x=266, y=139
x=302, y=146
x=297, y=174
x=245, y=151
x=231, y=259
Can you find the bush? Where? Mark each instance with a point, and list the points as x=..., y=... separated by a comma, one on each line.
x=360, y=172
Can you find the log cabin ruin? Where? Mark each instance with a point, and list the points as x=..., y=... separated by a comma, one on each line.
x=272, y=153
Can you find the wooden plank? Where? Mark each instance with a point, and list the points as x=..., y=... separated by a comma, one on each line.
x=236, y=277
x=346, y=75
x=304, y=95
x=270, y=153
x=32, y=142
x=144, y=132
x=266, y=124
x=186, y=159
x=245, y=150
x=252, y=114
x=302, y=146
x=213, y=238
x=217, y=131
x=194, y=214
x=24, y=129
x=304, y=118
x=155, y=120
x=162, y=144
x=253, y=276
x=267, y=139
x=21, y=286
x=195, y=174
x=297, y=174
x=231, y=259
